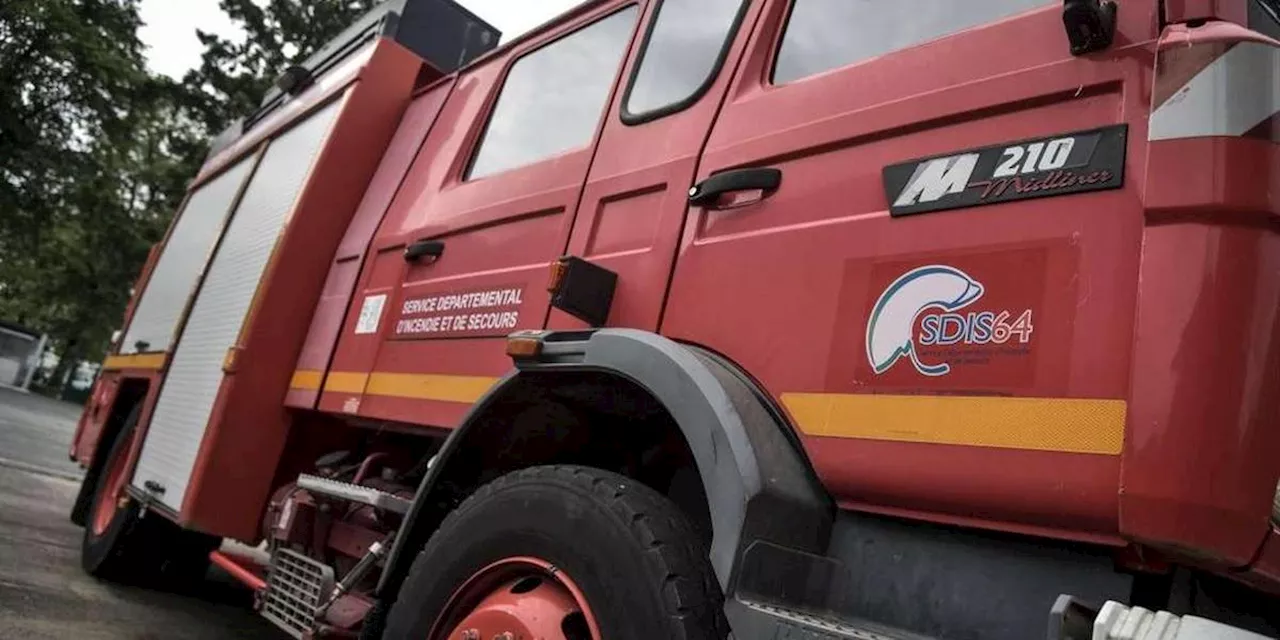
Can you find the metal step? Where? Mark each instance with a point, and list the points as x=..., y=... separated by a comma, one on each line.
x=354, y=493
x=798, y=625
x=296, y=588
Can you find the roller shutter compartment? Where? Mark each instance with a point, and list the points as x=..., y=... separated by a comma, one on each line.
x=195, y=374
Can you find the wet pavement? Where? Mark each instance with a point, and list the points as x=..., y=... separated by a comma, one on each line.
x=36, y=432
x=44, y=595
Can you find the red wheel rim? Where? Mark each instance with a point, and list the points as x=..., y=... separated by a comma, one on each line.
x=516, y=599
x=114, y=479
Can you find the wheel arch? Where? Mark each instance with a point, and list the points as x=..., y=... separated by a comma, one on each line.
x=130, y=393
x=755, y=479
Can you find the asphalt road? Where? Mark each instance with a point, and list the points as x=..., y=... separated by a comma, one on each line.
x=35, y=433
x=44, y=595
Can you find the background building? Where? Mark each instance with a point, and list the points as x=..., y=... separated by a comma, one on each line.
x=20, y=351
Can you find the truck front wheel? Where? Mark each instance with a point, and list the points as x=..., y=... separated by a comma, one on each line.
x=123, y=546
x=561, y=552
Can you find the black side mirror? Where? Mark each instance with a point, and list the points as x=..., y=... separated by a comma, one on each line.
x=1090, y=24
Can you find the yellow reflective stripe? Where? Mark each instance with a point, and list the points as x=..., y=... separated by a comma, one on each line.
x=1040, y=424
x=340, y=382
x=466, y=389
x=138, y=361
x=306, y=380
x=445, y=388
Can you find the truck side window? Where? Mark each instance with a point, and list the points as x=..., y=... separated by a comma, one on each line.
x=825, y=34
x=553, y=97
x=683, y=50
x=1264, y=17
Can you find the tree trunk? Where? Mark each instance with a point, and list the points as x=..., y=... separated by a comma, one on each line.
x=63, y=373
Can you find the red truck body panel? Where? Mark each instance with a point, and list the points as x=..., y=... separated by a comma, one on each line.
x=331, y=311
x=808, y=264
x=1203, y=406
x=1129, y=399
x=96, y=411
x=1040, y=440
x=636, y=197
x=500, y=234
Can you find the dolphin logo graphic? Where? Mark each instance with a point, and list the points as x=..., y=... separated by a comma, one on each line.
x=891, y=329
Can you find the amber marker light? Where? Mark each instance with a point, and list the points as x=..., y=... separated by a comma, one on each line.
x=519, y=346
x=559, y=269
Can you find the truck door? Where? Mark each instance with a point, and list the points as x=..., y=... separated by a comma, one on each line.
x=926, y=249
x=634, y=203
x=462, y=258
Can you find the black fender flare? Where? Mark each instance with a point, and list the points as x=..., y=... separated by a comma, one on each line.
x=758, y=482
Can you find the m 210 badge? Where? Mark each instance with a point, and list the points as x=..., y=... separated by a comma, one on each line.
x=1059, y=165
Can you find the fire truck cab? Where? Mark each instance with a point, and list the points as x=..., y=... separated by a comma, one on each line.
x=724, y=318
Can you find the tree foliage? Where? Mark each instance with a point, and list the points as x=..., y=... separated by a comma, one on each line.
x=86, y=175
x=235, y=74
x=64, y=69
x=96, y=152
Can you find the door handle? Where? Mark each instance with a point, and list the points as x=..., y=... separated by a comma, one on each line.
x=708, y=192
x=424, y=249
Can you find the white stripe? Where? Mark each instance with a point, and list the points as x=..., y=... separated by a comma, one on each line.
x=1228, y=98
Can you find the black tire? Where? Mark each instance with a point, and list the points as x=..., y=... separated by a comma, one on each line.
x=89, y=485
x=84, y=498
x=641, y=566
x=140, y=549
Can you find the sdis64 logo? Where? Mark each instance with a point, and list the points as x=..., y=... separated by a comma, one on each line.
x=919, y=316
x=974, y=328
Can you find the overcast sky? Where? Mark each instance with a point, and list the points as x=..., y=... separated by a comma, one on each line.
x=170, y=31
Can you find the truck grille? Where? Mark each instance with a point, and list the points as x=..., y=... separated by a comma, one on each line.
x=296, y=587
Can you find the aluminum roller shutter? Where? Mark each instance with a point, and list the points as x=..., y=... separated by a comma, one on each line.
x=182, y=260
x=195, y=374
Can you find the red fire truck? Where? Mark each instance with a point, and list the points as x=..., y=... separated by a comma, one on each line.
x=696, y=318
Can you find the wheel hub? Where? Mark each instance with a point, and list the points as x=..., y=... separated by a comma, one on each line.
x=517, y=599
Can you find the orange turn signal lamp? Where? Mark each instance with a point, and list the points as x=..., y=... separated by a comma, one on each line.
x=524, y=344
x=231, y=360
x=559, y=269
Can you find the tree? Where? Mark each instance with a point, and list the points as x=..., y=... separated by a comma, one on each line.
x=64, y=67
x=235, y=75
x=87, y=173
x=96, y=153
